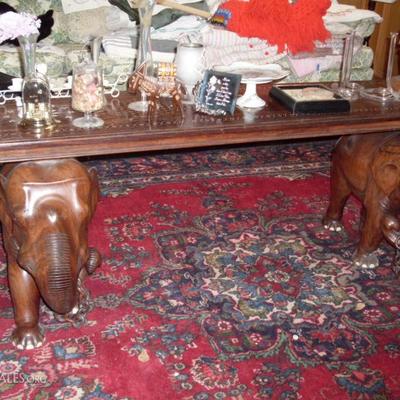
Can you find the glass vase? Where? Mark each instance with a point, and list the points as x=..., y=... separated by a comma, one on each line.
x=393, y=81
x=87, y=94
x=144, y=53
x=347, y=89
x=392, y=90
x=35, y=91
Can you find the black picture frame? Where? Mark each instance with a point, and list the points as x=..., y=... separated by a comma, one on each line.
x=308, y=98
x=218, y=92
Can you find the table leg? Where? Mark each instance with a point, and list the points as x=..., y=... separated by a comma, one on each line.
x=45, y=208
x=367, y=166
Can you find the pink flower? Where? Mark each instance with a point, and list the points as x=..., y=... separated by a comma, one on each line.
x=14, y=24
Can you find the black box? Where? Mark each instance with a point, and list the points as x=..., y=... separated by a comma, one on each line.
x=309, y=98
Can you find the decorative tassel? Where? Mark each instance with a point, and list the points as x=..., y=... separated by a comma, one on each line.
x=293, y=27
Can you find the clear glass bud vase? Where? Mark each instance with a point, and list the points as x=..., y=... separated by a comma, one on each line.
x=144, y=52
x=36, y=107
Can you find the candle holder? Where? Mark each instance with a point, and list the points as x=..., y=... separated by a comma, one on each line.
x=189, y=66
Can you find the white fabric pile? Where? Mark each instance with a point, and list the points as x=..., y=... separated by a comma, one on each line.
x=222, y=47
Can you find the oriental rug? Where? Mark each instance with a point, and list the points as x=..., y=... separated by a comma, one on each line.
x=218, y=281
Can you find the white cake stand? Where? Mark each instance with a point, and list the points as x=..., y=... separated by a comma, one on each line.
x=252, y=75
x=250, y=99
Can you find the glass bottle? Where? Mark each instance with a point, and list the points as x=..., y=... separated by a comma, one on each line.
x=35, y=92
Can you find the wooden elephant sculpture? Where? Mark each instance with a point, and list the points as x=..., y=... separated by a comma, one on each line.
x=45, y=208
x=367, y=166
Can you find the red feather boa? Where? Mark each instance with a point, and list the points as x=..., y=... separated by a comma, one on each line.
x=289, y=26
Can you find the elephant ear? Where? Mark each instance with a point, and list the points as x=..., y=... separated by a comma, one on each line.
x=94, y=189
x=3, y=198
x=386, y=167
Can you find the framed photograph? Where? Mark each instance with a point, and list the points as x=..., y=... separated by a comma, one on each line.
x=310, y=98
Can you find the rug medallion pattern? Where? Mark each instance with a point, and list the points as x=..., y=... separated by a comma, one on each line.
x=219, y=282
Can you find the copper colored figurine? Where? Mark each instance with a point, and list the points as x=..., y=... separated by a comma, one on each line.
x=367, y=166
x=45, y=208
x=164, y=84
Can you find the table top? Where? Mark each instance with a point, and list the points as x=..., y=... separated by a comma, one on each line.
x=127, y=131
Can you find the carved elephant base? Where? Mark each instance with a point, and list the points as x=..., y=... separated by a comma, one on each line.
x=367, y=166
x=45, y=209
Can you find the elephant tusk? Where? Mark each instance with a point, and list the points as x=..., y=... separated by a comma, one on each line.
x=94, y=261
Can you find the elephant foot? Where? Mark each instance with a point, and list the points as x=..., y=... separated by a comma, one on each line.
x=369, y=261
x=333, y=225
x=27, y=338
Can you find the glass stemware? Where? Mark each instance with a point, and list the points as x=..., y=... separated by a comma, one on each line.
x=88, y=121
x=392, y=89
x=393, y=82
x=87, y=94
x=144, y=54
x=347, y=89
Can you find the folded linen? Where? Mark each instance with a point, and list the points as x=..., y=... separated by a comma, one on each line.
x=341, y=19
x=222, y=47
x=302, y=67
x=309, y=65
x=185, y=25
x=162, y=15
x=124, y=44
x=71, y=6
x=346, y=13
x=331, y=75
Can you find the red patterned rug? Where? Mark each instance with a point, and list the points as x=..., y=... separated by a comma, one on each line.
x=218, y=282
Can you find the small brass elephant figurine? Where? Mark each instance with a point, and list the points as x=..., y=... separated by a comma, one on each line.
x=367, y=166
x=45, y=208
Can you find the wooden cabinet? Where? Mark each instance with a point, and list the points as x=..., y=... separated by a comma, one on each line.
x=380, y=39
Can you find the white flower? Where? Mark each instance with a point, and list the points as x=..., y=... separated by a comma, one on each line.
x=13, y=25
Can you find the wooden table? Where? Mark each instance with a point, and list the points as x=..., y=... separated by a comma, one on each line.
x=45, y=206
x=126, y=131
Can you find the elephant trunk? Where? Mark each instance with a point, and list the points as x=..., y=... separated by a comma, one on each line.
x=61, y=293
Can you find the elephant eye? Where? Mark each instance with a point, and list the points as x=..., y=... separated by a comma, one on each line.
x=18, y=217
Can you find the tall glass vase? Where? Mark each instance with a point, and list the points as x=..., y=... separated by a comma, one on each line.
x=392, y=90
x=144, y=54
x=36, y=107
x=347, y=89
x=393, y=81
